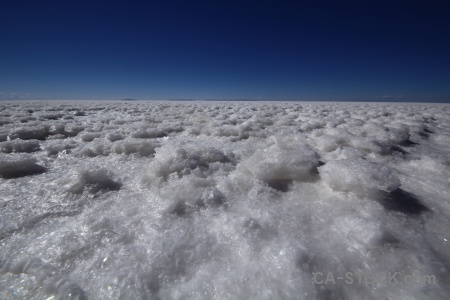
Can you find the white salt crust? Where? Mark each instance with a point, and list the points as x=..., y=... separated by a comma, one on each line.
x=223, y=200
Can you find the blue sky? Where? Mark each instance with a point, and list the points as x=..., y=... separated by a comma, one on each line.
x=303, y=50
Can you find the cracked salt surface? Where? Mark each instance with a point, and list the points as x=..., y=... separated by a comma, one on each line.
x=224, y=200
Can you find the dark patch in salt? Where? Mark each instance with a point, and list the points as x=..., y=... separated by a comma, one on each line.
x=95, y=182
x=404, y=202
x=329, y=293
x=408, y=143
x=181, y=209
x=22, y=171
x=307, y=263
x=281, y=185
x=398, y=149
x=52, y=117
x=252, y=224
x=425, y=133
x=388, y=238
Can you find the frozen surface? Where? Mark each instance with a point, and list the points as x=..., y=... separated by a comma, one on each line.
x=224, y=200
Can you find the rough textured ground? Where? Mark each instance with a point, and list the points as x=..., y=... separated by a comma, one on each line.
x=201, y=200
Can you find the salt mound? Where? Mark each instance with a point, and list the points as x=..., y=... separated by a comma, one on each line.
x=189, y=194
x=36, y=132
x=138, y=146
x=359, y=176
x=55, y=149
x=94, y=181
x=288, y=158
x=19, y=166
x=20, y=146
x=148, y=134
x=94, y=149
x=90, y=136
x=171, y=159
x=114, y=136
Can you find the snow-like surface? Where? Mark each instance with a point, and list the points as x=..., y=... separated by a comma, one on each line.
x=223, y=200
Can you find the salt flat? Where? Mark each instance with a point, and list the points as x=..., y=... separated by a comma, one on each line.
x=224, y=200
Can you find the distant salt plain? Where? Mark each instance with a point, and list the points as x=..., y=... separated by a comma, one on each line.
x=224, y=200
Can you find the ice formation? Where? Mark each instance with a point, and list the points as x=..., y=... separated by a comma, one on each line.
x=224, y=200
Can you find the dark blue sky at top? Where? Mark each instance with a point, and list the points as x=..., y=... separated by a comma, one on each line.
x=305, y=50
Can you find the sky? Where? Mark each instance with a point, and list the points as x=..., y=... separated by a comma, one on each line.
x=287, y=50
